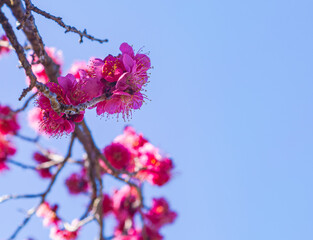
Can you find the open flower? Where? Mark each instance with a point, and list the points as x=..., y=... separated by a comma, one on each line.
x=122, y=78
x=117, y=155
x=77, y=183
x=160, y=214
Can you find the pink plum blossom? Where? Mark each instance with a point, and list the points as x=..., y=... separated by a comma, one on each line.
x=57, y=233
x=126, y=203
x=76, y=68
x=39, y=69
x=35, y=117
x=48, y=213
x=130, y=139
x=154, y=167
x=122, y=78
x=160, y=214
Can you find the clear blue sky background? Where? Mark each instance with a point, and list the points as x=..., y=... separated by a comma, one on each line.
x=231, y=93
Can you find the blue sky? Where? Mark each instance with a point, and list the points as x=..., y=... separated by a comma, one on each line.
x=231, y=102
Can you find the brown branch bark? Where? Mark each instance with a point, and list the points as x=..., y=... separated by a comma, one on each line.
x=19, y=51
x=33, y=36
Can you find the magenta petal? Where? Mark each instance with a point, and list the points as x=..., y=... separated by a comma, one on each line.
x=78, y=117
x=44, y=102
x=95, y=66
x=112, y=106
x=69, y=126
x=137, y=100
x=121, y=84
x=143, y=61
x=67, y=82
x=92, y=87
x=53, y=115
x=101, y=107
x=128, y=62
x=126, y=49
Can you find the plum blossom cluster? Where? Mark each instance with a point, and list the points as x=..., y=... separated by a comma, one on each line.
x=132, y=152
x=110, y=85
x=8, y=127
x=113, y=85
x=123, y=78
x=125, y=207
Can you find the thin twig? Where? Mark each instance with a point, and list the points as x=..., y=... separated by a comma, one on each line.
x=22, y=165
x=10, y=197
x=29, y=139
x=34, y=38
x=26, y=103
x=59, y=21
x=23, y=224
x=44, y=194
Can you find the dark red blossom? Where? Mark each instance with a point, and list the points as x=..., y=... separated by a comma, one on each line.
x=77, y=183
x=8, y=121
x=107, y=204
x=117, y=155
x=6, y=150
x=40, y=158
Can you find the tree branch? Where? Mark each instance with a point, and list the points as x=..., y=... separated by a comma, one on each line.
x=59, y=21
x=22, y=165
x=30, y=29
x=19, y=51
x=26, y=103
